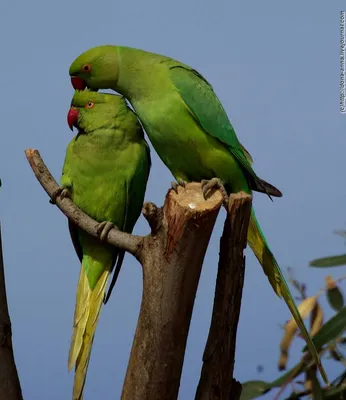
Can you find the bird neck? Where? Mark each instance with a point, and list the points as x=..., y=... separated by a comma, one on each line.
x=139, y=74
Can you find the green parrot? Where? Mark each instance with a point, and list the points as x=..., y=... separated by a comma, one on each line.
x=105, y=174
x=191, y=133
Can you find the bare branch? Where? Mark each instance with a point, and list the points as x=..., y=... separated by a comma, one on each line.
x=153, y=215
x=125, y=241
x=172, y=262
x=9, y=382
x=216, y=380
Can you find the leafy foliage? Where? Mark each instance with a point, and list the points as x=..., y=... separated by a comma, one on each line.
x=333, y=261
x=331, y=330
x=327, y=337
x=254, y=389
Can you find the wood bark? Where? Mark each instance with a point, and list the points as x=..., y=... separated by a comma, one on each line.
x=172, y=259
x=9, y=382
x=217, y=382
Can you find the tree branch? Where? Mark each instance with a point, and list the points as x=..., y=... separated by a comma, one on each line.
x=125, y=241
x=153, y=215
x=216, y=380
x=9, y=382
x=172, y=262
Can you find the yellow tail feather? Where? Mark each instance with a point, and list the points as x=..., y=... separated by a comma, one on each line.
x=270, y=267
x=87, y=311
x=261, y=250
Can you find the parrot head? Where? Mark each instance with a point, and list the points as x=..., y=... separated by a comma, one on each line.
x=91, y=110
x=96, y=68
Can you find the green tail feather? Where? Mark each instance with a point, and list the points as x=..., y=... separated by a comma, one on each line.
x=271, y=268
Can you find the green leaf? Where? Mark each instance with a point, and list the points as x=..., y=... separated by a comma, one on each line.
x=335, y=298
x=290, y=374
x=332, y=261
x=330, y=330
x=254, y=389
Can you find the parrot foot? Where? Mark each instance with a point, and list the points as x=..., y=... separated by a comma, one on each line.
x=60, y=192
x=180, y=182
x=215, y=183
x=103, y=229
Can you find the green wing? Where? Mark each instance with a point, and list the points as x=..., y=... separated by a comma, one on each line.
x=68, y=184
x=135, y=190
x=208, y=112
x=136, y=187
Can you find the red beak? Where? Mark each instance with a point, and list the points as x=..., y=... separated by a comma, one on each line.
x=78, y=83
x=72, y=118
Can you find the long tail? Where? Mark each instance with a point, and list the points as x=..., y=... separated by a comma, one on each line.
x=87, y=311
x=115, y=275
x=271, y=268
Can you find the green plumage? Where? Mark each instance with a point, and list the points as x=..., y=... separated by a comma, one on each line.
x=106, y=170
x=190, y=131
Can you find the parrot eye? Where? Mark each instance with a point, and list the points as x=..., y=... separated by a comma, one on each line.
x=86, y=68
x=89, y=104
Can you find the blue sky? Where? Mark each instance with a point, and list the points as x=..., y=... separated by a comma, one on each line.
x=275, y=68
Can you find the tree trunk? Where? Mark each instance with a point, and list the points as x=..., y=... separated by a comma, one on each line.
x=9, y=381
x=172, y=259
x=216, y=382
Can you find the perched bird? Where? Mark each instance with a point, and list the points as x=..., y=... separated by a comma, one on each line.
x=105, y=173
x=191, y=133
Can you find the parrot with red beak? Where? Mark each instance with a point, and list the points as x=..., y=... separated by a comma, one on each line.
x=105, y=173
x=192, y=134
